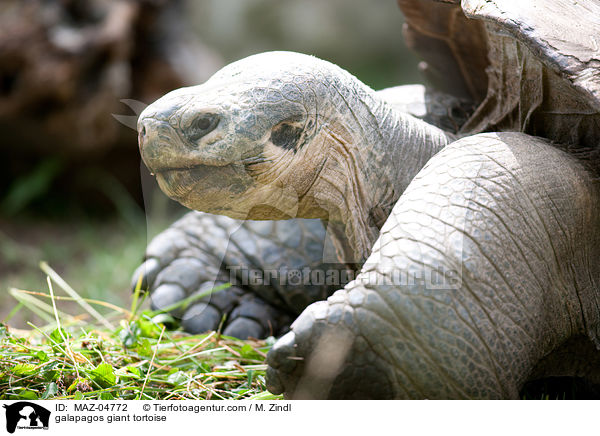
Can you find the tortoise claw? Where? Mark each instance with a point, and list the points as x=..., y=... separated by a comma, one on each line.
x=148, y=272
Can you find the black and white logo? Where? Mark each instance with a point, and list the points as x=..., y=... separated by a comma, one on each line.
x=26, y=415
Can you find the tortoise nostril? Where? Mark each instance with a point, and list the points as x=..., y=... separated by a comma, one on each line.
x=141, y=133
x=144, y=131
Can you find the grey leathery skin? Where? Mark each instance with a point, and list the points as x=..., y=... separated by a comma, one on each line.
x=201, y=251
x=496, y=207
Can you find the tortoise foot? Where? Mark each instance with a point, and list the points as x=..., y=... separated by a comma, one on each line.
x=244, y=315
x=324, y=356
x=191, y=258
x=236, y=311
x=264, y=260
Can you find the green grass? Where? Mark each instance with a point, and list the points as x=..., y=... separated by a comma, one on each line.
x=56, y=344
x=120, y=354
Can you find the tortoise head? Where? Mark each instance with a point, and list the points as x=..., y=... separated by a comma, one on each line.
x=246, y=142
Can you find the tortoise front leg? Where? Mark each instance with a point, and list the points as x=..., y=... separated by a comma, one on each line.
x=260, y=258
x=487, y=264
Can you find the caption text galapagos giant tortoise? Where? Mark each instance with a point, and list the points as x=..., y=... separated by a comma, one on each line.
x=475, y=236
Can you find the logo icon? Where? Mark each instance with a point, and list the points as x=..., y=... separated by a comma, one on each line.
x=26, y=415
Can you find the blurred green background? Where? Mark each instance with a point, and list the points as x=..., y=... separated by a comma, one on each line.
x=71, y=190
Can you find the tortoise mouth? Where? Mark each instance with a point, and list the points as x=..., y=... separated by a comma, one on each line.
x=166, y=170
x=177, y=181
x=154, y=158
x=203, y=187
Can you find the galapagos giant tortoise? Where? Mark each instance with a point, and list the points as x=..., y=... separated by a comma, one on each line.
x=477, y=251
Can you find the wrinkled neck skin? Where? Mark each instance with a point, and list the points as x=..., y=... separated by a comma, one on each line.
x=370, y=159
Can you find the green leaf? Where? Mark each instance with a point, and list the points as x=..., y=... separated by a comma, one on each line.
x=163, y=318
x=265, y=396
x=28, y=395
x=51, y=390
x=149, y=329
x=204, y=367
x=104, y=375
x=42, y=356
x=134, y=370
x=129, y=335
x=78, y=395
x=73, y=385
x=48, y=372
x=58, y=334
x=24, y=369
x=57, y=339
x=144, y=348
x=178, y=378
x=246, y=349
x=49, y=375
x=106, y=396
x=128, y=372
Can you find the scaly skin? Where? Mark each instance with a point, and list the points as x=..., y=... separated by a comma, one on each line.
x=201, y=251
x=195, y=250
x=515, y=223
x=284, y=135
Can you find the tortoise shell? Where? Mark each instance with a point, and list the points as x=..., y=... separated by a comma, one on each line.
x=531, y=66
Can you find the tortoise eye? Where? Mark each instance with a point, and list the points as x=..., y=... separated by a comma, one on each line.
x=202, y=126
x=286, y=135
